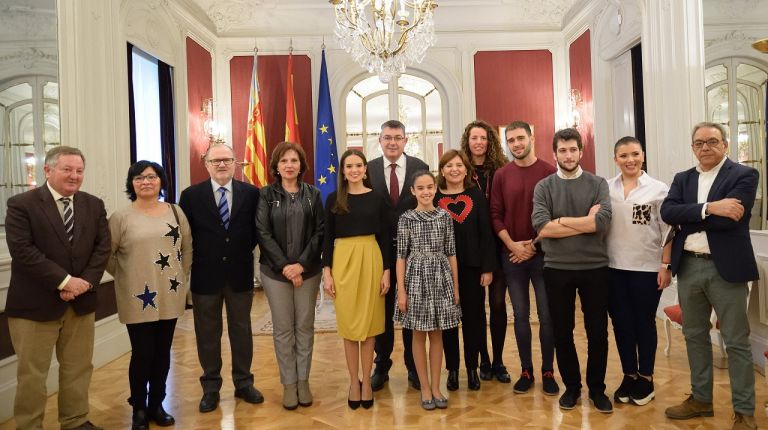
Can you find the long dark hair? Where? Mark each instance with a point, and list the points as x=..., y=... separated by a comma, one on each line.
x=342, y=188
x=494, y=154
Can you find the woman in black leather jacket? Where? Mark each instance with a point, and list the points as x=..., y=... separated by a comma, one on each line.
x=289, y=225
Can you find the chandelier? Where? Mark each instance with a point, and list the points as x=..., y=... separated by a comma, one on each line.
x=384, y=36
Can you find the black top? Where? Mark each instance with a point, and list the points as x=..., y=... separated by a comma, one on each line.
x=369, y=213
x=475, y=246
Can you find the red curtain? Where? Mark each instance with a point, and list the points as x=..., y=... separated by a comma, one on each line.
x=199, y=87
x=517, y=85
x=272, y=71
x=580, y=57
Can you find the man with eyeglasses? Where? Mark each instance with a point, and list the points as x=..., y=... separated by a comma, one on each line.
x=713, y=259
x=392, y=175
x=221, y=213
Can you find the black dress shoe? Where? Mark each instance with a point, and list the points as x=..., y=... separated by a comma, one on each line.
x=473, y=380
x=486, y=373
x=139, y=420
x=452, y=384
x=378, y=380
x=160, y=416
x=209, y=402
x=413, y=380
x=250, y=394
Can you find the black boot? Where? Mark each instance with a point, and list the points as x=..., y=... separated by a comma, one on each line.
x=139, y=420
x=473, y=380
x=160, y=417
x=453, y=380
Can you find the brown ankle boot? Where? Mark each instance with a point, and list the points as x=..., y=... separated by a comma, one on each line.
x=690, y=408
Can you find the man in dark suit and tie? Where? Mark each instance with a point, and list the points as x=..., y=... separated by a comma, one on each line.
x=221, y=213
x=392, y=175
x=59, y=244
x=713, y=259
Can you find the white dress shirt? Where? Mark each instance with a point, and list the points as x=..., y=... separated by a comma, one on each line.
x=399, y=171
x=697, y=242
x=60, y=207
x=217, y=193
x=634, y=239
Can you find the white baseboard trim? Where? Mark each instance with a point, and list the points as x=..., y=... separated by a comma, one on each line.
x=111, y=341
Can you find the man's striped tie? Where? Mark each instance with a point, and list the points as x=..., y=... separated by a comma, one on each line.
x=69, y=220
x=224, y=208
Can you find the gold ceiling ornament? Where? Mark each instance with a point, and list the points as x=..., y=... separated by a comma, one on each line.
x=384, y=36
x=761, y=45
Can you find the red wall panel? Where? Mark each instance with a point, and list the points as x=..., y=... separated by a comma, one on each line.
x=517, y=85
x=580, y=58
x=199, y=87
x=272, y=73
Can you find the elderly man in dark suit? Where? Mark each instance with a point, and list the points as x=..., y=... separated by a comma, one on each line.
x=713, y=259
x=392, y=175
x=59, y=244
x=221, y=213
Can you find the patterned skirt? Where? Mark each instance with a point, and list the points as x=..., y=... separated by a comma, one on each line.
x=429, y=285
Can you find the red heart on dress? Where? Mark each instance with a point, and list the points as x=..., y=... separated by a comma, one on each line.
x=451, y=205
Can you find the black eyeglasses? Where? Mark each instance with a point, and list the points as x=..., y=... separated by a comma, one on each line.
x=150, y=178
x=698, y=144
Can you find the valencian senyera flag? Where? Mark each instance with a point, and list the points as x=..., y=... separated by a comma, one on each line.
x=291, y=117
x=326, y=158
x=255, y=168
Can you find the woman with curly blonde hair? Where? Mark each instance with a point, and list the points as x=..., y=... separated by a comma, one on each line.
x=482, y=145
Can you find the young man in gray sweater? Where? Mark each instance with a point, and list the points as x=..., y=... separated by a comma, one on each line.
x=572, y=213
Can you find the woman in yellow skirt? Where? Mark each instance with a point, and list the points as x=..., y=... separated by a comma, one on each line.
x=356, y=269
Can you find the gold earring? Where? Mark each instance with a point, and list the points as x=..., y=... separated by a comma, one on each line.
x=365, y=176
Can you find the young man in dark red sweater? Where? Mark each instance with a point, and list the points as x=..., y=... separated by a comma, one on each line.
x=522, y=261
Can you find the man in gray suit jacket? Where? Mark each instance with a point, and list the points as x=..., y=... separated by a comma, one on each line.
x=59, y=244
x=392, y=176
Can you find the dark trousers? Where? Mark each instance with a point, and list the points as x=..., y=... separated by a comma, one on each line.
x=209, y=328
x=520, y=277
x=472, y=301
x=634, y=297
x=497, y=296
x=592, y=286
x=150, y=361
x=385, y=342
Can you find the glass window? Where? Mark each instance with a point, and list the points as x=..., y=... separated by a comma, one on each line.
x=737, y=100
x=419, y=107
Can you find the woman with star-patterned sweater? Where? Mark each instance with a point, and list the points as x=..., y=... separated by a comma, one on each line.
x=151, y=257
x=475, y=252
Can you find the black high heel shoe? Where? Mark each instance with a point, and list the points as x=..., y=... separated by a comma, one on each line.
x=354, y=404
x=366, y=404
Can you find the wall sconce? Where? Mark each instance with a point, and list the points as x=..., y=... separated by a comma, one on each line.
x=210, y=127
x=574, y=104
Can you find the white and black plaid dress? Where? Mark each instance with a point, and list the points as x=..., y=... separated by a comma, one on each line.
x=425, y=240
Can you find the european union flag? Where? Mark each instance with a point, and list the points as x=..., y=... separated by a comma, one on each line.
x=326, y=156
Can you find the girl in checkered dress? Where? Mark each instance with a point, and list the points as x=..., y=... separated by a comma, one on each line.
x=427, y=284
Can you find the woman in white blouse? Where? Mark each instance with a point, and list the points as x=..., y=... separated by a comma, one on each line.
x=639, y=268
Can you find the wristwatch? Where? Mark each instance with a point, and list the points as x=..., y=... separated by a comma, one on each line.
x=666, y=266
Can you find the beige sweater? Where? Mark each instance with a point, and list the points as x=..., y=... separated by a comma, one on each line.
x=150, y=261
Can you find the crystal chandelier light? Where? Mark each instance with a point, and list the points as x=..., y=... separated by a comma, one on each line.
x=384, y=36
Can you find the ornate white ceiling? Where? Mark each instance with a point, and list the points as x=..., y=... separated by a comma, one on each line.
x=314, y=17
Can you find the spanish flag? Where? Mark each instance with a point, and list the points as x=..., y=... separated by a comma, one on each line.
x=255, y=143
x=291, y=117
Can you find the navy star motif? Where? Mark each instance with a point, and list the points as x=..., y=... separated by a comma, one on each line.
x=147, y=298
x=163, y=261
x=173, y=232
x=174, y=284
